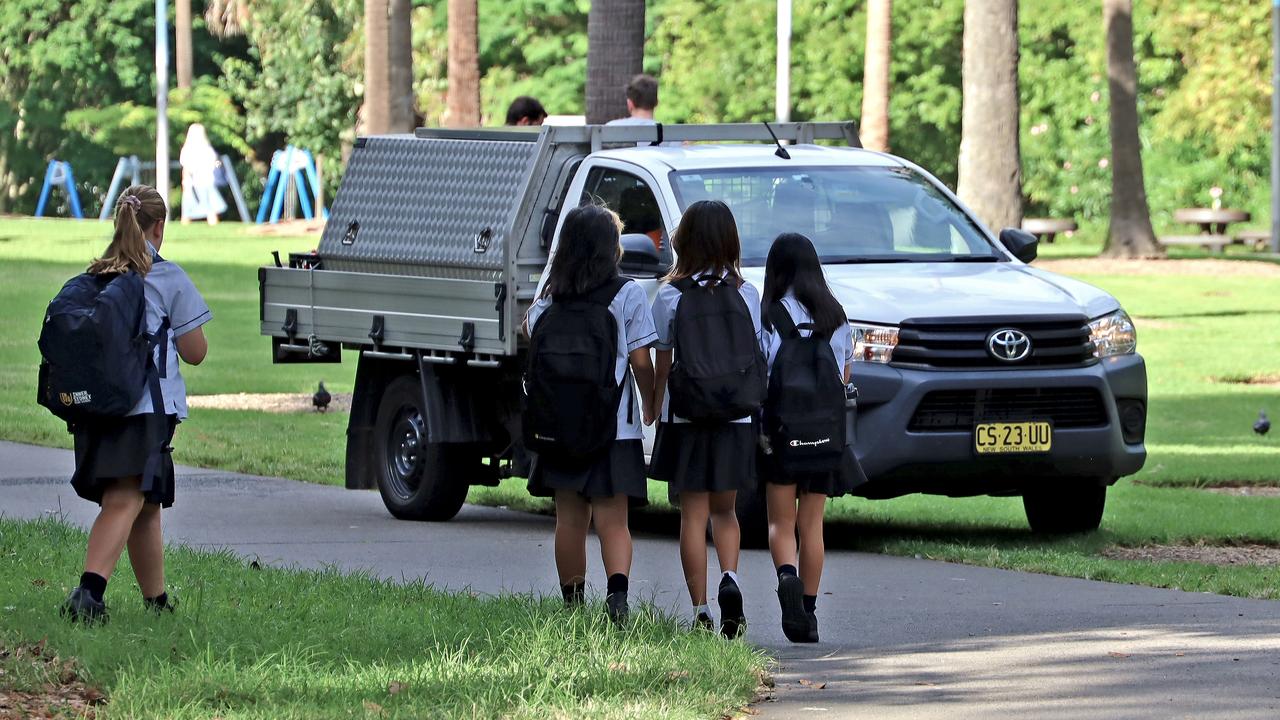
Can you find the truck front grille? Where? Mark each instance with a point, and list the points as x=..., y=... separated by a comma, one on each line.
x=1061, y=341
x=955, y=410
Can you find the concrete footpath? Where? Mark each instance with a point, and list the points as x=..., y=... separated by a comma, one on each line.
x=902, y=638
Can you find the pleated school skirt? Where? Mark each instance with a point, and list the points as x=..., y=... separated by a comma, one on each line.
x=696, y=457
x=843, y=480
x=619, y=472
x=120, y=449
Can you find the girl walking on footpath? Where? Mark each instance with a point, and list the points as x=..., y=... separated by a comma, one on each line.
x=582, y=423
x=125, y=465
x=710, y=383
x=798, y=303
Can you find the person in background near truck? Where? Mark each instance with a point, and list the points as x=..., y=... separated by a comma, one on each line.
x=642, y=99
x=112, y=460
x=705, y=463
x=586, y=262
x=525, y=111
x=794, y=283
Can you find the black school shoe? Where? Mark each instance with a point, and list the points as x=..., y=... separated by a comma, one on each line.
x=813, y=627
x=81, y=607
x=615, y=606
x=704, y=622
x=732, y=621
x=166, y=603
x=795, y=622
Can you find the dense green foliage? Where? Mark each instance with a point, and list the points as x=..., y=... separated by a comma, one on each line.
x=1204, y=93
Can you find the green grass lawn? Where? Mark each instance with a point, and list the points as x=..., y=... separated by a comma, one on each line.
x=273, y=644
x=1192, y=331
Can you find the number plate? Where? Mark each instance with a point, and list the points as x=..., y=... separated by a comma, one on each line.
x=1018, y=437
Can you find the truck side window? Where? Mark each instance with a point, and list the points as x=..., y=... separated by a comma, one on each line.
x=634, y=202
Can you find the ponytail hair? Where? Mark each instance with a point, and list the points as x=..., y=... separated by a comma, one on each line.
x=139, y=208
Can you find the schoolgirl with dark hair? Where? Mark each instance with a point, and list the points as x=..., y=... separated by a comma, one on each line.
x=124, y=465
x=590, y=485
x=706, y=308
x=796, y=293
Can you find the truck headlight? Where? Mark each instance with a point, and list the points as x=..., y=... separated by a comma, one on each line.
x=873, y=343
x=1113, y=334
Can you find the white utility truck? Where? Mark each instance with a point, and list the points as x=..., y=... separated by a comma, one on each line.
x=977, y=373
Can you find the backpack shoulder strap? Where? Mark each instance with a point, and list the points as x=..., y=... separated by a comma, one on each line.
x=782, y=321
x=684, y=284
x=605, y=294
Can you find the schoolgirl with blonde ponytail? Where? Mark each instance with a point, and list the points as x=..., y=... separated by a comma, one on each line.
x=138, y=210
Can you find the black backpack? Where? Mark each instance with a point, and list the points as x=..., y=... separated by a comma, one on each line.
x=804, y=415
x=571, y=392
x=95, y=351
x=719, y=373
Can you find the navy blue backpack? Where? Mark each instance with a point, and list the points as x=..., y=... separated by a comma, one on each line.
x=96, y=359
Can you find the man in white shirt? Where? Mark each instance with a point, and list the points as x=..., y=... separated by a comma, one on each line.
x=642, y=98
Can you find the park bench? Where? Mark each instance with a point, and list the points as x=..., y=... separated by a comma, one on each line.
x=1259, y=240
x=1047, y=229
x=1212, y=243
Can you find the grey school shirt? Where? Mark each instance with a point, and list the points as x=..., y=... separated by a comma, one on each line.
x=170, y=293
x=664, y=317
x=841, y=339
x=630, y=309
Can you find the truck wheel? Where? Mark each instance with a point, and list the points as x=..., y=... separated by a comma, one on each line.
x=753, y=519
x=1072, y=507
x=417, y=480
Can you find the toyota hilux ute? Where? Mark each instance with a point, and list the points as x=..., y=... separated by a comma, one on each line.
x=977, y=373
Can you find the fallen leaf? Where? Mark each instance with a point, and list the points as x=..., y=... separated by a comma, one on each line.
x=811, y=684
x=921, y=682
x=677, y=674
x=395, y=688
x=39, y=582
x=1118, y=655
x=373, y=707
x=1179, y=654
x=618, y=667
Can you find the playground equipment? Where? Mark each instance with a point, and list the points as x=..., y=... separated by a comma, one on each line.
x=59, y=174
x=293, y=168
x=132, y=168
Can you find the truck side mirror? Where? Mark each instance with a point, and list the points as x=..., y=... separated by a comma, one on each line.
x=640, y=256
x=1021, y=243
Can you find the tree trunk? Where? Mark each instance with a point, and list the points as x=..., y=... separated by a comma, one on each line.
x=400, y=60
x=377, y=80
x=875, y=76
x=615, y=54
x=182, y=42
x=1130, y=234
x=990, y=160
x=464, y=65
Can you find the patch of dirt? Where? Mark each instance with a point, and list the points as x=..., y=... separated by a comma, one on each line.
x=60, y=691
x=288, y=228
x=268, y=402
x=1145, y=323
x=1265, y=555
x=1246, y=490
x=1207, y=268
x=1257, y=379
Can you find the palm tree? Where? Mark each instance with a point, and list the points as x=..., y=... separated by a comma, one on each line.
x=182, y=42
x=875, y=76
x=463, y=106
x=226, y=18
x=377, y=79
x=990, y=160
x=615, y=54
x=400, y=60
x=1130, y=234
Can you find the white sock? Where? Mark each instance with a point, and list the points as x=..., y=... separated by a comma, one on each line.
x=701, y=610
x=733, y=576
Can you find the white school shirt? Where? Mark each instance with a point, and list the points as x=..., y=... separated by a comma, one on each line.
x=841, y=339
x=170, y=293
x=664, y=318
x=630, y=309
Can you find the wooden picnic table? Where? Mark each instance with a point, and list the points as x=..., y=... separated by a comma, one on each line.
x=1048, y=228
x=1213, y=224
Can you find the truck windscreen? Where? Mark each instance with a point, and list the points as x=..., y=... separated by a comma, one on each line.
x=852, y=214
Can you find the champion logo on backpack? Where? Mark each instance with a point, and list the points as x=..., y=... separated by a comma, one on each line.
x=805, y=409
x=809, y=443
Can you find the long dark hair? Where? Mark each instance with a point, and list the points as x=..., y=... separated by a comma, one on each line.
x=707, y=242
x=793, y=265
x=588, y=253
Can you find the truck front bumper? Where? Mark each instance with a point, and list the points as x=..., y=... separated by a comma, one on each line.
x=900, y=456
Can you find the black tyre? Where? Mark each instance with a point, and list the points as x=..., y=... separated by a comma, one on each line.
x=1066, y=507
x=753, y=519
x=417, y=480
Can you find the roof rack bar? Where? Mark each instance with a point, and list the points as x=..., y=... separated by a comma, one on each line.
x=597, y=136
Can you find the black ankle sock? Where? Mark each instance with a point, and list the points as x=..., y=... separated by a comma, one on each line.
x=617, y=583
x=787, y=570
x=574, y=593
x=158, y=602
x=810, y=603
x=95, y=584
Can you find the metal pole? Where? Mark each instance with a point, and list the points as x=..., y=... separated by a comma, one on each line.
x=782, y=97
x=1275, y=126
x=162, y=100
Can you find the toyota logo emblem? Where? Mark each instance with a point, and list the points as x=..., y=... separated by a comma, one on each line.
x=1009, y=345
